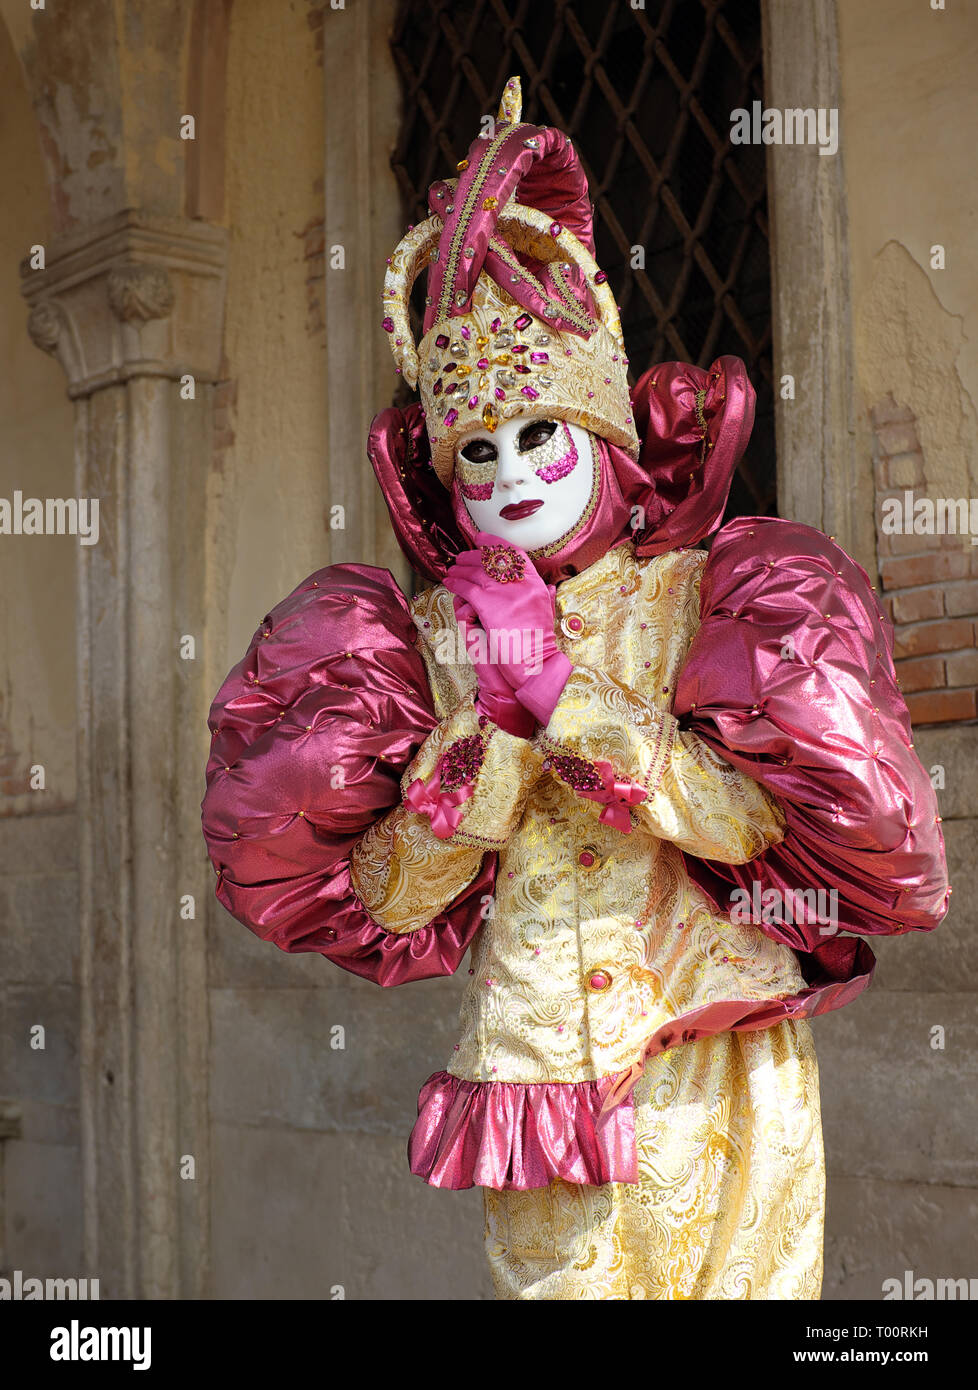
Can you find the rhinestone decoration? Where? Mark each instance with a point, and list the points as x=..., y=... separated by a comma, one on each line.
x=505, y=565
x=460, y=763
x=576, y=772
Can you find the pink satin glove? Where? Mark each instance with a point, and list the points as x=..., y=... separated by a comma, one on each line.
x=495, y=698
x=515, y=608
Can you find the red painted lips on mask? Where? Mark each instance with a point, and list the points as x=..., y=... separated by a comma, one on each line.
x=517, y=510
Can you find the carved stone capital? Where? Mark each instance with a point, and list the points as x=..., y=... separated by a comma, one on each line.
x=46, y=324
x=135, y=295
x=138, y=293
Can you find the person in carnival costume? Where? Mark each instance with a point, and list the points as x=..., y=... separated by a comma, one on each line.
x=617, y=775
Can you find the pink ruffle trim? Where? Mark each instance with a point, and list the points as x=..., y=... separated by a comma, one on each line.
x=503, y=1134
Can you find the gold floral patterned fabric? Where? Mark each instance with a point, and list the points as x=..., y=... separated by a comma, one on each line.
x=578, y=902
x=595, y=940
x=401, y=871
x=730, y=1198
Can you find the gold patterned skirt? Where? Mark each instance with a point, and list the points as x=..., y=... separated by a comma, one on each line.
x=730, y=1201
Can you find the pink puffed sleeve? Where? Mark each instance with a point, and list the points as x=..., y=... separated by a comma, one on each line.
x=311, y=733
x=790, y=678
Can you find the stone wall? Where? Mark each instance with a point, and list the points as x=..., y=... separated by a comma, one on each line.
x=899, y=1066
x=40, y=1166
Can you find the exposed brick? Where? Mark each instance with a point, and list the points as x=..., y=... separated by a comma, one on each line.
x=951, y=540
x=913, y=571
x=898, y=437
x=962, y=668
x=948, y=635
x=226, y=393
x=961, y=598
x=941, y=706
x=898, y=545
x=887, y=411
x=921, y=673
x=901, y=543
x=916, y=605
x=905, y=470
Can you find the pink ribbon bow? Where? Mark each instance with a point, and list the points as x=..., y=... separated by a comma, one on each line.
x=442, y=808
x=616, y=796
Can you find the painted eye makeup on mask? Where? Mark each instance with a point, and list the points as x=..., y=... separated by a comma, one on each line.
x=477, y=478
x=555, y=457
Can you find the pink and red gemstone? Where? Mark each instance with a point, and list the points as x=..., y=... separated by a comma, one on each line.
x=388, y=324
x=523, y=321
x=451, y=417
x=442, y=340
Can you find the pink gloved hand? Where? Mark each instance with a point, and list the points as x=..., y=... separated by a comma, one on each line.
x=495, y=698
x=516, y=610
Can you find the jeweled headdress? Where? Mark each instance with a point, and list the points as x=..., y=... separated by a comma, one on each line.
x=518, y=314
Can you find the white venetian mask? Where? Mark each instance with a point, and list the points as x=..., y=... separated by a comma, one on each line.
x=529, y=481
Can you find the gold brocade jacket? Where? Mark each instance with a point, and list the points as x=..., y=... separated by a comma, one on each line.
x=594, y=939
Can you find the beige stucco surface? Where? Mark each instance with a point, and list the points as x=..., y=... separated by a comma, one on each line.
x=267, y=501
x=37, y=573
x=909, y=129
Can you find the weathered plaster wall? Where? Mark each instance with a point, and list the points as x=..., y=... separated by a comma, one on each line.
x=899, y=1113
x=909, y=134
x=268, y=491
x=40, y=1183
x=37, y=573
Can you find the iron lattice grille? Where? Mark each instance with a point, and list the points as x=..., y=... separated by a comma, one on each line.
x=646, y=96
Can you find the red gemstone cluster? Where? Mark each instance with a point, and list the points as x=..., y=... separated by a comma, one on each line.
x=576, y=772
x=461, y=761
x=503, y=563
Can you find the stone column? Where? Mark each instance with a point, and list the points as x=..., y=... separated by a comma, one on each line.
x=133, y=308
x=363, y=217
x=824, y=477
